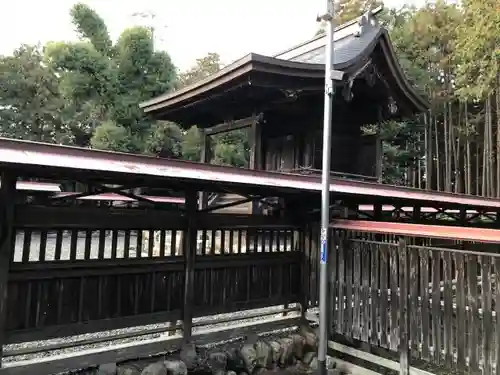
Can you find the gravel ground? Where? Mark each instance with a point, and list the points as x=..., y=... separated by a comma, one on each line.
x=239, y=317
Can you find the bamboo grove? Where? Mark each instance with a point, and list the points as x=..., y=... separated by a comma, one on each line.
x=451, y=52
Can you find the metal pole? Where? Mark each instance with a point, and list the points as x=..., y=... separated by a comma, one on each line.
x=325, y=191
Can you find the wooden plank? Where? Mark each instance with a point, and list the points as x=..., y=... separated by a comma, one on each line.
x=365, y=285
x=375, y=312
x=384, y=296
x=39, y=217
x=424, y=302
x=448, y=310
x=356, y=310
x=341, y=282
x=394, y=337
x=414, y=330
x=348, y=328
x=497, y=314
x=487, y=321
x=436, y=306
x=461, y=313
x=332, y=278
x=404, y=358
x=7, y=233
x=189, y=252
x=473, y=313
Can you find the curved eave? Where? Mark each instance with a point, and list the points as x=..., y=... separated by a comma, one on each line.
x=236, y=74
x=420, y=103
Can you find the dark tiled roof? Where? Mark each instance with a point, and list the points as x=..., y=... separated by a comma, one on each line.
x=346, y=49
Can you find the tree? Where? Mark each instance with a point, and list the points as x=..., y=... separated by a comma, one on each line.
x=30, y=99
x=191, y=144
x=204, y=67
x=103, y=83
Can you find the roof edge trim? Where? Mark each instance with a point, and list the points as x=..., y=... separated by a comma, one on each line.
x=341, y=31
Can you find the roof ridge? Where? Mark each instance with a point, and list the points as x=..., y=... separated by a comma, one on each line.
x=369, y=13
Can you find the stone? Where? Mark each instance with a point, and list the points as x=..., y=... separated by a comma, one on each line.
x=157, y=368
x=308, y=357
x=249, y=357
x=313, y=365
x=310, y=337
x=276, y=352
x=264, y=355
x=287, y=356
x=176, y=367
x=330, y=363
x=299, y=344
x=189, y=355
x=217, y=361
x=127, y=370
x=107, y=369
x=235, y=361
x=231, y=373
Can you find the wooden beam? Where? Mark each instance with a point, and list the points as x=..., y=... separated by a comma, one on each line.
x=7, y=207
x=39, y=218
x=205, y=158
x=232, y=125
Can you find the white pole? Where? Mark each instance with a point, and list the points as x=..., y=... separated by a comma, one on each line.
x=325, y=191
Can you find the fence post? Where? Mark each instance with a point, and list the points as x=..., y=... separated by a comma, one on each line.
x=404, y=273
x=189, y=252
x=7, y=205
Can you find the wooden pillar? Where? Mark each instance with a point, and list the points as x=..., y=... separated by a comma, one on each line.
x=7, y=205
x=205, y=158
x=189, y=253
x=256, y=160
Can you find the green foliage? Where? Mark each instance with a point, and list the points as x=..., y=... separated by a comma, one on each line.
x=191, y=144
x=30, y=98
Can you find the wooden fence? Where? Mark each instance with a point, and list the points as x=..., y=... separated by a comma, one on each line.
x=422, y=304
x=76, y=271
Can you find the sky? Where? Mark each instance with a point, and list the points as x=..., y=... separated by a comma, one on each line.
x=186, y=29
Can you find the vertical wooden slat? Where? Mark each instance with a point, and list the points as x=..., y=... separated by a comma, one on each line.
x=436, y=306
x=26, y=246
x=114, y=244
x=461, y=316
x=189, y=252
x=394, y=337
x=126, y=244
x=88, y=244
x=473, y=313
x=102, y=243
x=356, y=326
x=404, y=359
x=424, y=302
x=487, y=318
x=151, y=243
x=163, y=242
x=414, y=330
x=365, y=280
x=58, y=247
x=341, y=284
x=7, y=233
x=173, y=243
x=73, y=244
x=43, y=246
x=374, y=296
x=332, y=278
x=497, y=314
x=138, y=246
x=349, y=281
x=448, y=310
x=384, y=296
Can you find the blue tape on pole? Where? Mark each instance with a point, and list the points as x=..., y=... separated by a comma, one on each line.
x=323, y=252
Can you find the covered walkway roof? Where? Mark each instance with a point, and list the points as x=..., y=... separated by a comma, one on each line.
x=53, y=161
